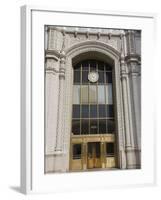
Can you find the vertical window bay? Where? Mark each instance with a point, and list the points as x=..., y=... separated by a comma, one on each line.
x=93, y=109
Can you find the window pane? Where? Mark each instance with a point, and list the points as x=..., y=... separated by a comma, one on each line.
x=109, y=97
x=101, y=77
x=93, y=126
x=108, y=67
x=102, y=126
x=76, y=127
x=108, y=77
x=85, y=66
x=92, y=65
x=85, y=126
x=77, y=67
x=102, y=111
x=110, y=149
x=77, y=150
x=76, y=76
x=101, y=94
x=76, y=94
x=85, y=77
x=101, y=66
x=76, y=111
x=110, y=126
x=93, y=111
x=109, y=111
x=84, y=94
x=85, y=111
x=92, y=94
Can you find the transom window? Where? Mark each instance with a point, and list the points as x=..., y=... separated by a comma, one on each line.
x=93, y=110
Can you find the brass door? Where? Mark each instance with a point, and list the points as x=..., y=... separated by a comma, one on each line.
x=93, y=155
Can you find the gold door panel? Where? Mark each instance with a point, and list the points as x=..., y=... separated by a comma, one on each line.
x=94, y=163
x=94, y=153
x=110, y=162
x=76, y=164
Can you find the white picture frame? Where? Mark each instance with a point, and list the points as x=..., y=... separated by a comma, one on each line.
x=33, y=179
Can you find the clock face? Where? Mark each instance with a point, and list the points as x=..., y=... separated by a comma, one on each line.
x=93, y=76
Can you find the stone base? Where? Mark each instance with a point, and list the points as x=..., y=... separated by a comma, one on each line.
x=55, y=163
x=133, y=159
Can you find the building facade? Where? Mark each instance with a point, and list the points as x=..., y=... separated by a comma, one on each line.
x=92, y=99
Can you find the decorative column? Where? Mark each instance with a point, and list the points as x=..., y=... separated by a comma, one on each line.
x=133, y=63
x=134, y=72
x=128, y=119
x=51, y=106
x=60, y=116
x=124, y=76
x=130, y=154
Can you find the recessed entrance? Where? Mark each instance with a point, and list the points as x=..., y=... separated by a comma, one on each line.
x=93, y=120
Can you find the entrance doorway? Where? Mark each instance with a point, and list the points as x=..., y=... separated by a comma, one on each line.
x=94, y=155
x=93, y=120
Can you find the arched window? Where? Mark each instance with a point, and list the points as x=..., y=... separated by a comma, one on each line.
x=93, y=108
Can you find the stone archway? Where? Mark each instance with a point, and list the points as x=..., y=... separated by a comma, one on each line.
x=108, y=54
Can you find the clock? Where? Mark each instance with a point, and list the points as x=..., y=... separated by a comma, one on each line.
x=93, y=76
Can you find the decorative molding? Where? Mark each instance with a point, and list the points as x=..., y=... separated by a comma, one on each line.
x=90, y=45
x=62, y=68
x=91, y=31
x=133, y=58
x=52, y=54
x=49, y=70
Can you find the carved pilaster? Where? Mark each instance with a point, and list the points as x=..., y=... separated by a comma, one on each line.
x=130, y=154
x=130, y=71
x=60, y=118
x=124, y=76
x=134, y=71
x=51, y=90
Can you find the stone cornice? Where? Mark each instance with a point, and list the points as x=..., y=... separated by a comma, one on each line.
x=49, y=69
x=101, y=32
